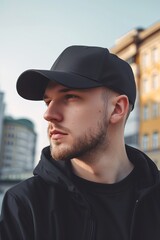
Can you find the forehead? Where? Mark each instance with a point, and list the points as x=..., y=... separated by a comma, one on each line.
x=54, y=88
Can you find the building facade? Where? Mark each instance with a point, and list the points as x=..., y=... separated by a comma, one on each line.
x=18, y=148
x=141, y=48
x=2, y=107
x=149, y=68
x=126, y=48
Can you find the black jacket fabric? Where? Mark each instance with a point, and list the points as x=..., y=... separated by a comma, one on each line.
x=48, y=206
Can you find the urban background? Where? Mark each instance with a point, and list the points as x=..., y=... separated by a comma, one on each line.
x=141, y=49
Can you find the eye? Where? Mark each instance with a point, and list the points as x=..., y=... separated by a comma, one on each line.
x=71, y=96
x=47, y=103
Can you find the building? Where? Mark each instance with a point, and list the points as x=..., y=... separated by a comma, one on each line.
x=141, y=48
x=18, y=148
x=149, y=70
x=2, y=107
x=126, y=48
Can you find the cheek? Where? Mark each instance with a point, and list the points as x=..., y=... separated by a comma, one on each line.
x=86, y=118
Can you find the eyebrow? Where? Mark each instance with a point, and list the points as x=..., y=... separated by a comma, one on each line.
x=65, y=90
x=68, y=89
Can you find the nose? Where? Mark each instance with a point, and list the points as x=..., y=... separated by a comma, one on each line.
x=53, y=113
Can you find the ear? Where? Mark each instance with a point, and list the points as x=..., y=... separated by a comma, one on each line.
x=121, y=107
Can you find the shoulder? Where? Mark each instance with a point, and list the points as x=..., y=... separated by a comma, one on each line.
x=26, y=189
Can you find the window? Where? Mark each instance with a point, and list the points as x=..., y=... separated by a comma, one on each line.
x=155, y=55
x=132, y=140
x=145, y=142
x=155, y=81
x=145, y=112
x=145, y=59
x=145, y=85
x=155, y=110
x=155, y=140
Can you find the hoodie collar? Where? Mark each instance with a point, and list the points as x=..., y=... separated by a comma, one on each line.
x=60, y=172
x=54, y=172
x=147, y=173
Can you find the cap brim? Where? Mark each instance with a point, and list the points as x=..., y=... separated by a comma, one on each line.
x=31, y=84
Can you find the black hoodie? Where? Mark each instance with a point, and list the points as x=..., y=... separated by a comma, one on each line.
x=48, y=206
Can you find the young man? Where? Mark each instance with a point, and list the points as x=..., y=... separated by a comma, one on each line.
x=88, y=184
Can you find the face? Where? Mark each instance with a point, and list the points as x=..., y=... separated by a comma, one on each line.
x=77, y=121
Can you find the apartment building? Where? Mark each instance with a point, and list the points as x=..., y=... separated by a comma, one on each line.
x=2, y=107
x=126, y=48
x=149, y=68
x=141, y=48
x=18, y=148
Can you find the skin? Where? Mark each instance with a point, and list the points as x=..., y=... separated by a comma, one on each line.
x=87, y=126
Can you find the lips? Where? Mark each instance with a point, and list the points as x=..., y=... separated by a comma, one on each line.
x=56, y=134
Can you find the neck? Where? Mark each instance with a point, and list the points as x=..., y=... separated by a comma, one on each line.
x=109, y=166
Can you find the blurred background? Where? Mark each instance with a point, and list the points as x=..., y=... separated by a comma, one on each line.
x=34, y=33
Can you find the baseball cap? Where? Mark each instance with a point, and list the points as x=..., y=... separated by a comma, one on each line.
x=81, y=67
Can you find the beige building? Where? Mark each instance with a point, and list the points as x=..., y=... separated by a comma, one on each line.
x=141, y=48
x=149, y=67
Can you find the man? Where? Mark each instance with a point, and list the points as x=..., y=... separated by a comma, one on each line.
x=88, y=184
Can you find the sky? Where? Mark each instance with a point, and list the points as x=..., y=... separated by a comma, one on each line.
x=34, y=32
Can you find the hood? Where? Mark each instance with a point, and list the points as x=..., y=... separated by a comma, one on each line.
x=60, y=172
x=147, y=173
x=54, y=172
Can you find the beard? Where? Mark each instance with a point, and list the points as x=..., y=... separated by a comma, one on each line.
x=90, y=142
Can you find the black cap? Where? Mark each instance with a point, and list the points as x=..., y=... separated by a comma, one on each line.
x=81, y=67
